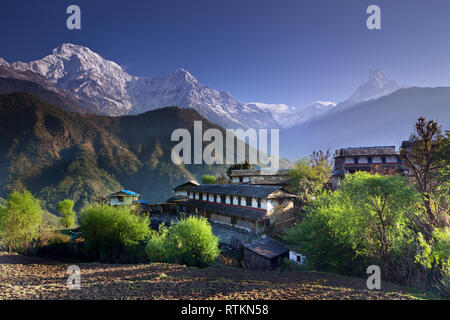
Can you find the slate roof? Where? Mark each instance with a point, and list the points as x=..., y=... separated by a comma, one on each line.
x=259, y=172
x=245, y=190
x=226, y=210
x=187, y=185
x=267, y=248
x=366, y=151
x=123, y=192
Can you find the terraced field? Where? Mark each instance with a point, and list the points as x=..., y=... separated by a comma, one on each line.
x=35, y=278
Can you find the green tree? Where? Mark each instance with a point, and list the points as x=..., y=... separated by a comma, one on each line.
x=208, y=179
x=190, y=242
x=65, y=208
x=309, y=178
x=156, y=248
x=428, y=164
x=378, y=208
x=20, y=219
x=239, y=166
x=363, y=221
x=113, y=233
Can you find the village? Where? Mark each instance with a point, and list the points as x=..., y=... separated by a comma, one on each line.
x=254, y=208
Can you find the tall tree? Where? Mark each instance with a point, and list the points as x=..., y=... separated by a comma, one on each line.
x=424, y=157
x=309, y=178
x=65, y=208
x=20, y=219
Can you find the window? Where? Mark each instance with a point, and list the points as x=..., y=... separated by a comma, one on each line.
x=239, y=200
x=215, y=197
x=356, y=160
x=299, y=259
x=383, y=159
x=248, y=201
x=399, y=160
x=120, y=199
x=222, y=198
x=200, y=196
x=369, y=160
x=259, y=203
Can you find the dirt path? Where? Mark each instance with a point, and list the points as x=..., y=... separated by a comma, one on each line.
x=36, y=278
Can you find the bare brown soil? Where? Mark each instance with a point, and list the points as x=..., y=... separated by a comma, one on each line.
x=36, y=278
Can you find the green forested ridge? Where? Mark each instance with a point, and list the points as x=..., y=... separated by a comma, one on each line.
x=60, y=155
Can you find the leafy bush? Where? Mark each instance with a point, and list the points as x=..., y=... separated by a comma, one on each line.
x=362, y=223
x=190, y=242
x=208, y=179
x=114, y=233
x=65, y=208
x=156, y=246
x=20, y=219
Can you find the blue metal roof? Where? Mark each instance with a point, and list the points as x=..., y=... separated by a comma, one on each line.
x=141, y=201
x=129, y=192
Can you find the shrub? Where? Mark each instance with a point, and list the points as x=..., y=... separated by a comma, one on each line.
x=20, y=219
x=156, y=246
x=190, y=242
x=208, y=179
x=65, y=208
x=114, y=233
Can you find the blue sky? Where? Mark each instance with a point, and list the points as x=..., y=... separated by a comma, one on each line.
x=283, y=51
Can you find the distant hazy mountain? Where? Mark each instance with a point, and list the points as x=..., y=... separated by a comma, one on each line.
x=378, y=85
x=288, y=116
x=384, y=121
x=103, y=83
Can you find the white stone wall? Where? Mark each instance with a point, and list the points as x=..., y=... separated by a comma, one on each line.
x=181, y=193
x=235, y=180
x=349, y=160
x=263, y=203
x=246, y=179
x=391, y=159
x=228, y=200
x=235, y=200
x=211, y=198
x=376, y=159
x=191, y=196
x=254, y=202
x=363, y=160
x=293, y=256
x=197, y=196
x=219, y=199
x=204, y=197
x=115, y=201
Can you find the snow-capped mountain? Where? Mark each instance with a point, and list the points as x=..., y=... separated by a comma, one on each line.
x=102, y=86
x=289, y=116
x=89, y=77
x=378, y=85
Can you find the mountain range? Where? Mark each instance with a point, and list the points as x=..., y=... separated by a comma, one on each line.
x=57, y=154
x=75, y=78
x=100, y=86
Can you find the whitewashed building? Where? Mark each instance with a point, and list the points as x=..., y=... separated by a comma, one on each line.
x=243, y=206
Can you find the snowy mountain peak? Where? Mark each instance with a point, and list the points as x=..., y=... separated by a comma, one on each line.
x=183, y=75
x=3, y=62
x=376, y=86
x=86, y=75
